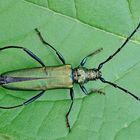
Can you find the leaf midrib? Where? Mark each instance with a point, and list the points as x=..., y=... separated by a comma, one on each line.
x=87, y=24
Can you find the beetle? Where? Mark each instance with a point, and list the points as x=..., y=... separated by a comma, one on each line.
x=55, y=77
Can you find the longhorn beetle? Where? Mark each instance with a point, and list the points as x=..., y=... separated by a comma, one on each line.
x=53, y=77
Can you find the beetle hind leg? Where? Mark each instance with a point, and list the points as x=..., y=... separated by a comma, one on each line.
x=30, y=100
x=27, y=51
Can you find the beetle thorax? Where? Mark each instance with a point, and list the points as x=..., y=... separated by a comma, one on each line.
x=82, y=75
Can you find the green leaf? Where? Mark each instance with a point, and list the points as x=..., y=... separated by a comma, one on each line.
x=75, y=28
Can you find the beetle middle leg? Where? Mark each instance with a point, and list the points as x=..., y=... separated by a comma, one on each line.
x=67, y=115
x=60, y=56
x=27, y=51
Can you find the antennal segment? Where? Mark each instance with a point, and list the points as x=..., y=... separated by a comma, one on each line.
x=116, y=86
x=119, y=49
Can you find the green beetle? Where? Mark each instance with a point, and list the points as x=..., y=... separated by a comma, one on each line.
x=56, y=77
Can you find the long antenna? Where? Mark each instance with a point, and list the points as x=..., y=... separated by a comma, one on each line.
x=119, y=49
x=116, y=86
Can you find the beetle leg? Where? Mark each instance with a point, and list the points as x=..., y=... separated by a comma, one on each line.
x=84, y=60
x=83, y=89
x=60, y=56
x=97, y=91
x=67, y=115
x=27, y=51
x=92, y=91
x=32, y=99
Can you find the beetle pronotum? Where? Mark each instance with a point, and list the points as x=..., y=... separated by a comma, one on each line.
x=53, y=77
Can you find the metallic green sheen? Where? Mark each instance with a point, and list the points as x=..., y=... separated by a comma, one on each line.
x=41, y=78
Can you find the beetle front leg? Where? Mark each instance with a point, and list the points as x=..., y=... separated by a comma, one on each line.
x=84, y=60
x=83, y=88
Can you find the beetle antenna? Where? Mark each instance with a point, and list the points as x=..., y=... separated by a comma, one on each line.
x=119, y=49
x=116, y=86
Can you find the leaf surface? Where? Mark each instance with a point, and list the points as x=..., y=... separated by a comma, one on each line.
x=75, y=28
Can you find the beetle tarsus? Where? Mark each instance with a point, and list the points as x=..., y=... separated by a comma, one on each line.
x=67, y=115
x=84, y=60
x=97, y=91
x=67, y=121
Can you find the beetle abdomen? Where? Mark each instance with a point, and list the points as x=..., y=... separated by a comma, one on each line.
x=42, y=78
